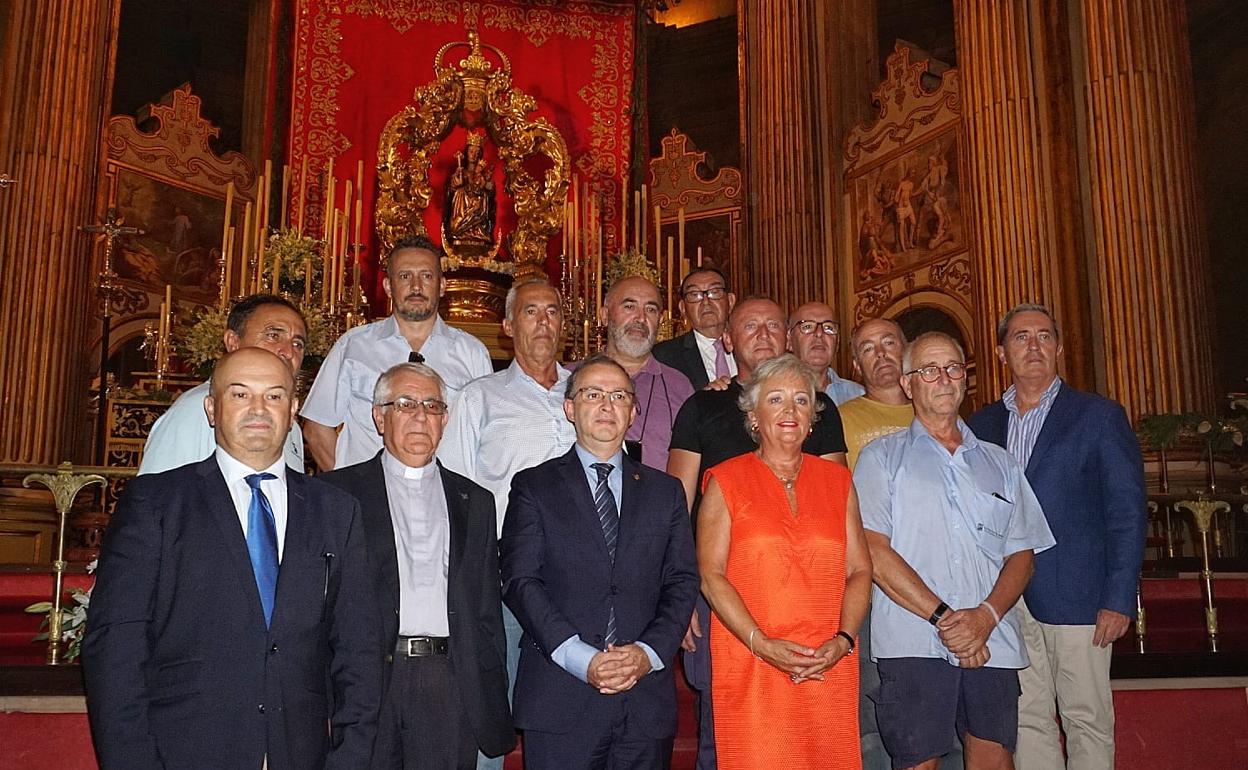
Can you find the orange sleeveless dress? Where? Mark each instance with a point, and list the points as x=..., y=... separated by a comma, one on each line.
x=790, y=572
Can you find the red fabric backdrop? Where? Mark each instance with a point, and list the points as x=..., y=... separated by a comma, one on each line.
x=357, y=62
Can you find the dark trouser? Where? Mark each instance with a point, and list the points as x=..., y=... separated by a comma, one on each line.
x=423, y=724
x=603, y=741
x=697, y=666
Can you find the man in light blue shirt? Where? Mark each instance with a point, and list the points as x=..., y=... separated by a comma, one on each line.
x=953, y=527
x=814, y=337
x=598, y=566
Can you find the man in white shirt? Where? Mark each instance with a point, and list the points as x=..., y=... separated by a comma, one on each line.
x=182, y=434
x=705, y=302
x=197, y=654
x=343, y=392
x=511, y=420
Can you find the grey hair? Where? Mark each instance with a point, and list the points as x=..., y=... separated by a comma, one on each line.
x=776, y=367
x=906, y=356
x=510, y=303
x=1003, y=327
x=381, y=391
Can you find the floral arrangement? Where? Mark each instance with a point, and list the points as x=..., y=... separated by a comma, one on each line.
x=199, y=341
x=450, y=264
x=73, y=618
x=628, y=264
x=294, y=254
x=1163, y=431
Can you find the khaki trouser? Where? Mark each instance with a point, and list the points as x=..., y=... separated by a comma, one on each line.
x=1070, y=676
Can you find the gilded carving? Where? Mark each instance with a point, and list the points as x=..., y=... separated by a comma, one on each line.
x=953, y=275
x=873, y=302
x=675, y=182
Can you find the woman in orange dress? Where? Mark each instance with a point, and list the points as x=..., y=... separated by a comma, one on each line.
x=786, y=570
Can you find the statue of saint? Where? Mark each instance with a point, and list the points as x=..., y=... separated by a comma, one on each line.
x=468, y=219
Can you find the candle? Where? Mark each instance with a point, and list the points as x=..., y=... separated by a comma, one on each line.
x=585, y=339
x=645, y=210
x=244, y=272
x=277, y=275
x=576, y=207
x=284, y=218
x=658, y=238
x=225, y=245
x=359, y=179
x=359, y=224
x=327, y=206
x=262, y=223
x=167, y=307
x=229, y=261
x=680, y=231
x=699, y=256
x=600, y=257
x=303, y=191
x=307, y=282
x=623, y=239
x=671, y=272
x=637, y=242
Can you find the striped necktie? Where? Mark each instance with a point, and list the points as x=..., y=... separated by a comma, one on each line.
x=609, y=518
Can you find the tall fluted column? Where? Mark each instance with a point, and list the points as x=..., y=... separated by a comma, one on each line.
x=1150, y=250
x=1019, y=117
x=52, y=89
x=790, y=159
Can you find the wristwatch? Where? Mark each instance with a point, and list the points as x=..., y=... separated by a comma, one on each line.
x=939, y=613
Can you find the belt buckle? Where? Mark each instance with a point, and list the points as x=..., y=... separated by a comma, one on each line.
x=419, y=646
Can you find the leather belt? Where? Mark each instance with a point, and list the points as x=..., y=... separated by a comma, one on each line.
x=423, y=646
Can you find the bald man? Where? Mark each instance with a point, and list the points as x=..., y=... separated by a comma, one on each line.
x=194, y=650
x=814, y=336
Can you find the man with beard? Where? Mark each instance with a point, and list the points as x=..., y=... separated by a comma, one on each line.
x=631, y=314
x=699, y=354
x=709, y=429
x=343, y=391
x=814, y=337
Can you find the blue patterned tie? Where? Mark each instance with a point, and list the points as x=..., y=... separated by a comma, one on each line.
x=262, y=543
x=609, y=518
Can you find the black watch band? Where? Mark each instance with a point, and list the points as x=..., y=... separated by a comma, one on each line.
x=938, y=613
x=849, y=638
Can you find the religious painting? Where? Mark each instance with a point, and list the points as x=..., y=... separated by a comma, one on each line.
x=181, y=243
x=907, y=210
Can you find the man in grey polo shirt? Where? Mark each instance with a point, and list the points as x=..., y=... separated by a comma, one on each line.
x=343, y=392
x=953, y=527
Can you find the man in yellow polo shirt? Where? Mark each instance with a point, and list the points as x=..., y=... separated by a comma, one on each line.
x=876, y=346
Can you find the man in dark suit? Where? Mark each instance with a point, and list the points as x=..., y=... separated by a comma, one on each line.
x=699, y=354
x=598, y=566
x=434, y=557
x=232, y=621
x=1083, y=461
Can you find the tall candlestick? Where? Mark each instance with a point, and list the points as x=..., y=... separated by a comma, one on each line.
x=359, y=224
x=680, y=231
x=638, y=243
x=671, y=272
x=167, y=307
x=229, y=262
x=328, y=205
x=303, y=191
x=244, y=272
x=658, y=237
x=229, y=206
x=284, y=217
x=585, y=332
x=645, y=210
x=359, y=179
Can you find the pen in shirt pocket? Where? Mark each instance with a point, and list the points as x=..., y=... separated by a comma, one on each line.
x=1002, y=499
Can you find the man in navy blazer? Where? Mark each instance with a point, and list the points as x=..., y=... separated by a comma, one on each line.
x=599, y=568
x=232, y=621
x=1083, y=461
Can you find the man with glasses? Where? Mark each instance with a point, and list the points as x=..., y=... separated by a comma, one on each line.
x=709, y=429
x=434, y=568
x=1083, y=459
x=598, y=565
x=511, y=420
x=814, y=337
x=631, y=314
x=699, y=354
x=952, y=525
x=343, y=390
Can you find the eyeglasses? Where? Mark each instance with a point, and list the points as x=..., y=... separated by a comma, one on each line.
x=932, y=373
x=830, y=328
x=697, y=295
x=408, y=405
x=594, y=395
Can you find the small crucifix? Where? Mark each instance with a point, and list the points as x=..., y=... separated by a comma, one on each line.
x=112, y=228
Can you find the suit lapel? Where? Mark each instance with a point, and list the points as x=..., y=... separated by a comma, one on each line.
x=693, y=362
x=298, y=543
x=379, y=527
x=1054, y=426
x=583, y=508
x=630, y=505
x=221, y=508
x=457, y=511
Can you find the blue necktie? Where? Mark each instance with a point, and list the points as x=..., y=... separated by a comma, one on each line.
x=262, y=543
x=609, y=518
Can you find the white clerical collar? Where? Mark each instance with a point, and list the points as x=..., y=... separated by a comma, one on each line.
x=398, y=468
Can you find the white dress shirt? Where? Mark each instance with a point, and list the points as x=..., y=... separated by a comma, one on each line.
x=274, y=489
x=526, y=427
x=343, y=391
x=422, y=542
x=182, y=435
x=706, y=346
